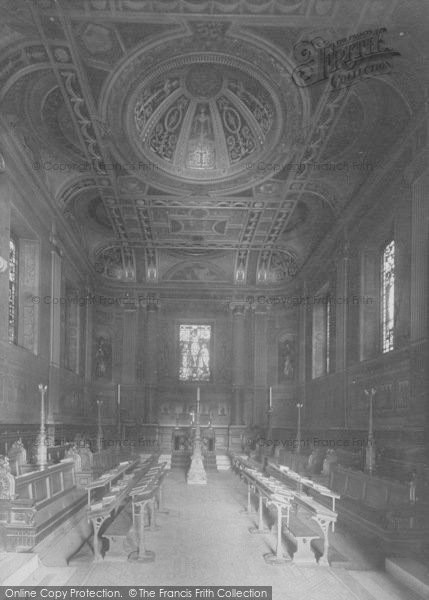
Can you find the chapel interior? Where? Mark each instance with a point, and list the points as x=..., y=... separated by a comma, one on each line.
x=214, y=264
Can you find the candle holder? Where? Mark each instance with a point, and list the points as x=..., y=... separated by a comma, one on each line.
x=99, y=428
x=197, y=473
x=118, y=404
x=370, y=465
x=41, y=447
x=269, y=413
x=298, y=428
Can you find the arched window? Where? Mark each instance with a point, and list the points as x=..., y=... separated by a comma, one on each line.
x=13, y=290
x=388, y=297
x=322, y=323
x=328, y=334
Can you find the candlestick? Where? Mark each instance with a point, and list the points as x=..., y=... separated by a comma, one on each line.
x=42, y=450
x=270, y=398
x=370, y=449
x=99, y=428
x=298, y=432
x=196, y=473
x=119, y=393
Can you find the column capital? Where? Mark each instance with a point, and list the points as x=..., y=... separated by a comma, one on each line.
x=342, y=251
x=55, y=243
x=150, y=301
x=238, y=308
x=417, y=168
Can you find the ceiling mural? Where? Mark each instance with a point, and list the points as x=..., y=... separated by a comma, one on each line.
x=180, y=139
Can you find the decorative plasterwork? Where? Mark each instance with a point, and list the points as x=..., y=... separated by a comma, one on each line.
x=198, y=121
x=134, y=8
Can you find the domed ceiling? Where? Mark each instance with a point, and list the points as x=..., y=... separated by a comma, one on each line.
x=205, y=121
x=176, y=141
x=202, y=121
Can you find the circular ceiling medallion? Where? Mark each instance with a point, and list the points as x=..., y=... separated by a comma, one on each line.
x=204, y=81
x=202, y=121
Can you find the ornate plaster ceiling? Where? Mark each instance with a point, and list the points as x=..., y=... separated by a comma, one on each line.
x=194, y=121
x=176, y=141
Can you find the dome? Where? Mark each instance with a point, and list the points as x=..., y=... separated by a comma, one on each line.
x=198, y=122
x=203, y=121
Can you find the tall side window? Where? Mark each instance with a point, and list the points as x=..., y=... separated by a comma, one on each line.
x=13, y=290
x=388, y=297
x=321, y=346
x=328, y=334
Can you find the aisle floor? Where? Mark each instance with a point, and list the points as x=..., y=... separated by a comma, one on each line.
x=204, y=540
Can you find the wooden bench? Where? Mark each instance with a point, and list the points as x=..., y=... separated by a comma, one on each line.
x=323, y=516
x=124, y=532
x=113, y=501
x=303, y=484
x=302, y=535
x=278, y=495
x=117, y=534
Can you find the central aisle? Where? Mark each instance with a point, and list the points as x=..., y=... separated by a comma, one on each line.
x=205, y=541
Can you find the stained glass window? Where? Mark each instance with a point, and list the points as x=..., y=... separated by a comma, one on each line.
x=328, y=334
x=194, y=341
x=13, y=290
x=321, y=343
x=388, y=296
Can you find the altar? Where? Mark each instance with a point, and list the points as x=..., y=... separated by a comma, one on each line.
x=182, y=443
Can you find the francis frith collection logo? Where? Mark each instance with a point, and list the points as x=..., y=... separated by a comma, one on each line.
x=344, y=61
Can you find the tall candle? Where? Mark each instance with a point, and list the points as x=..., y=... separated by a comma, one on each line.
x=270, y=398
x=119, y=393
x=198, y=395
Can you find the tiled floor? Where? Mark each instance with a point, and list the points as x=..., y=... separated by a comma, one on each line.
x=205, y=541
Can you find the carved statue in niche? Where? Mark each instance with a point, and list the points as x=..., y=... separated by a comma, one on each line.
x=286, y=360
x=103, y=358
x=7, y=480
x=17, y=456
x=330, y=460
x=73, y=453
x=166, y=352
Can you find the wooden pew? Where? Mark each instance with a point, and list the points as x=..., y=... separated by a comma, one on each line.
x=323, y=516
x=126, y=532
x=381, y=507
x=100, y=512
x=279, y=495
x=43, y=500
x=303, y=484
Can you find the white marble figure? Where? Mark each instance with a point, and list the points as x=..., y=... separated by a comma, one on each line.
x=330, y=460
x=7, y=480
x=17, y=456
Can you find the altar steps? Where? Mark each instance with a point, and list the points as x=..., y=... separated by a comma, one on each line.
x=165, y=458
x=210, y=463
x=223, y=462
x=182, y=461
